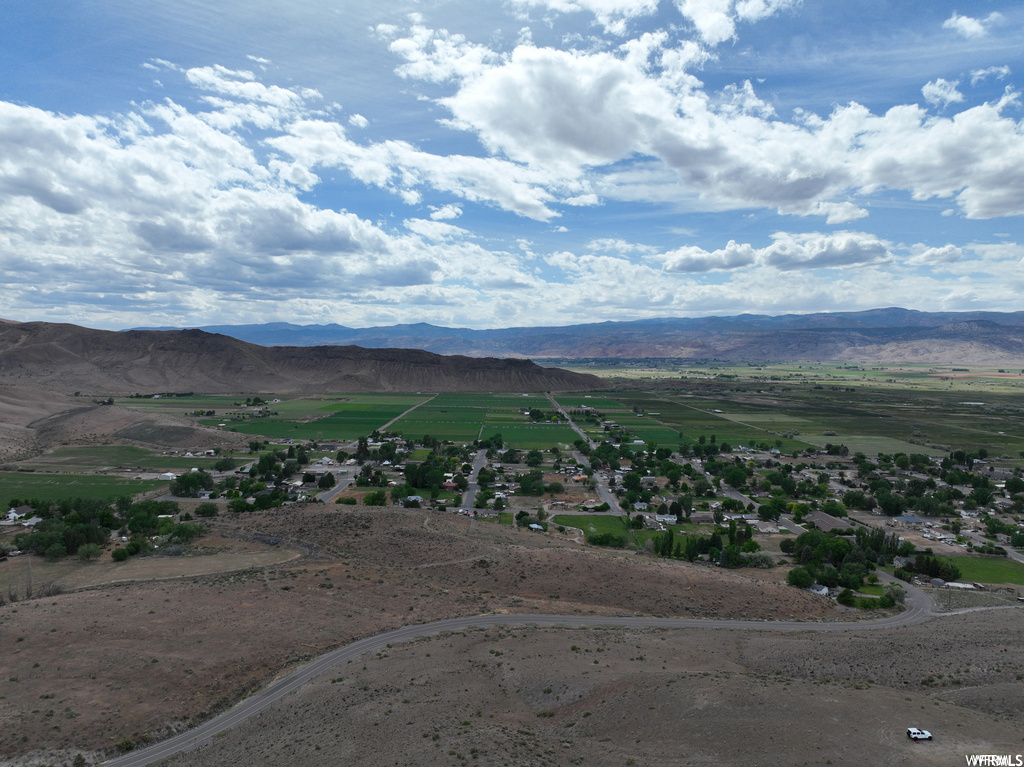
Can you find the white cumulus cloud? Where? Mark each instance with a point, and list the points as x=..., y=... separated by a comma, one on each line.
x=786, y=252
x=942, y=92
x=969, y=27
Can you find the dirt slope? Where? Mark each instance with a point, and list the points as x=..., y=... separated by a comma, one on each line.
x=94, y=667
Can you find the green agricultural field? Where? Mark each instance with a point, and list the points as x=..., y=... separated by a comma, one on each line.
x=188, y=404
x=53, y=487
x=653, y=433
x=83, y=460
x=347, y=417
x=459, y=424
x=532, y=436
x=989, y=569
x=599, y=402
x=872, y=446
x=466, y=417
x=86, y=459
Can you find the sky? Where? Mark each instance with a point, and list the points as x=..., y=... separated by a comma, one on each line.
x=510, y=163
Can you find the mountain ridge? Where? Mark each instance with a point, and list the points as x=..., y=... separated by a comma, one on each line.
x=68, y=358
x=890, y=334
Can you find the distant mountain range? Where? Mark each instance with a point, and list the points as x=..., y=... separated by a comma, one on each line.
x=68, y=358
x=881, y=335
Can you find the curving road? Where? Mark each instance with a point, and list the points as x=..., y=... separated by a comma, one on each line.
x=919, y=610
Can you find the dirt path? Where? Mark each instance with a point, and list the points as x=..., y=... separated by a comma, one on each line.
x=403, y=415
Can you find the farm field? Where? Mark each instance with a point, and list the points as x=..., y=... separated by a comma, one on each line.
x=53, y=487
x=532, y=436
x=99, y=457
x=467, y=417
x=888, y=411
x=347, y=418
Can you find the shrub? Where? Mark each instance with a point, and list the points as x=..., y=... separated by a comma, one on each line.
x=206, y=510
x=896, y=593
x=761, y=559
x=88, y=551
x=120, y=555
x=846, y=597
x=607, y=539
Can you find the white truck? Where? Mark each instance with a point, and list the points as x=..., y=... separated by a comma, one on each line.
x=915, y=734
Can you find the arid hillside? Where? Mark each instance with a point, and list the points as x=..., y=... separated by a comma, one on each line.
x=133, y=652
x=68, y=358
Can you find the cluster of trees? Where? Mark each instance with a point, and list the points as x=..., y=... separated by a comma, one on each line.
x=833, y=560
x=82, y=526
x=895, y=495
x=930, y=567
x=190, y=483
x=532, y=483
x=536, y=414
x=736, y=549
x=56, y=538
x=491, y=445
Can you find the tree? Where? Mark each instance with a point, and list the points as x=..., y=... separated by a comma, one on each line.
x=736, y=477
x=327, y=481
x=800, y=577
x=847, y=597
x=731, y=557
x=225, y=464
x=632, y=481
x=206, y=510
x=55, y=551
x=362, y=451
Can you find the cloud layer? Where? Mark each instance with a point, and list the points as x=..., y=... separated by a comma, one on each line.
x=240, y=198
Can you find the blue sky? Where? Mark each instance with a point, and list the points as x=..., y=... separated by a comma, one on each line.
x=492, y=164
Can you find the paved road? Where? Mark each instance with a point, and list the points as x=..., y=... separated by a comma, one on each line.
x=343, y=481
x=919, y=610
x=469, y=497
x=981, y=540
x=572, y=423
